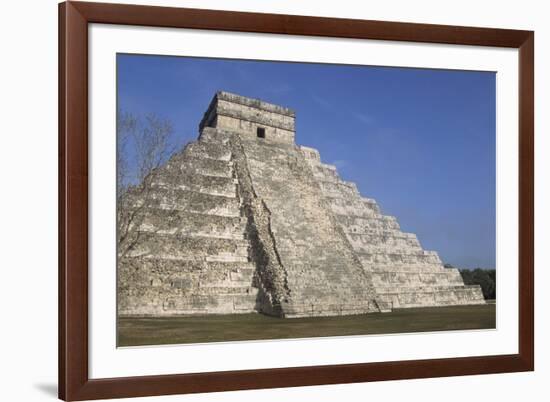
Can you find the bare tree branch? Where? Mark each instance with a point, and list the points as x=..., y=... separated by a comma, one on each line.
x=143, y=146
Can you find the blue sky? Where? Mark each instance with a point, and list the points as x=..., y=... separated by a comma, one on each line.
x=419, y=141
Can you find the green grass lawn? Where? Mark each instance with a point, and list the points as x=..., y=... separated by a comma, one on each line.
x=222, y=328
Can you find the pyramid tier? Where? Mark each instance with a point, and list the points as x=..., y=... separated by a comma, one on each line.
x=175, y=199
x=212, y=185
x=194, y=164
x=156, y=286
x=201, y=224
x=410, y=297
x=367, y=224
x=187, y=246
x=403, y=274
x=208, y=149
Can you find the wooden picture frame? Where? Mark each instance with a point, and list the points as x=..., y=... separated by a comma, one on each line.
x=74, y=381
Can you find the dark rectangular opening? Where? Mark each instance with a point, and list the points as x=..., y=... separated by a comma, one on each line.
x=260, y=131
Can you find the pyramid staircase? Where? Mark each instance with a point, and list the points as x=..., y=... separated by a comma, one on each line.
x=323, y=276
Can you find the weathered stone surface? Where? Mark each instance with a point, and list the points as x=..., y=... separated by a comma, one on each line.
x=236, y=223
x=403, y=274
x=244, y=116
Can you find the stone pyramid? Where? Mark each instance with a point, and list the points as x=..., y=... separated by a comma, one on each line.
x=244, y=220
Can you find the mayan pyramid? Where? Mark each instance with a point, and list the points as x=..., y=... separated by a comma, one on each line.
x=244, y=220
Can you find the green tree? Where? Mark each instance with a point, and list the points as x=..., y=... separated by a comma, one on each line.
x=485, y=278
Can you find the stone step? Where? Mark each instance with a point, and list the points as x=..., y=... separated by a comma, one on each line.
x=324, y=282
x=206, y=167
x=218, y=290
x=426, y=289
x=183, y=221
x=180, y=246
x=328, y=303
x=210, y=150
x=385, y=248
x=224, y=186
x=310, y=154
x=246, y=276
x=191, y=259
x=449, y=297
x=176, y=199
x=421, y=288
x=197, y=282
x=420, y=277
x=371, y=204
x=318, y=299
x=405, y=258
x=328, y=168
x=320, y=294
x=216, y=213
x=229, y=235
x=377, y=235
x=414, y=253
x=174, y=267
x=194, y=234
x=213, y=135
x=320, y=175
x=368, y=242
x=356, y=212
x=353, y=204
x=302, y=310
x=378, y=232
x=186, y=163
x=365, y=224
x=326, y=175
x=210, y=304
x=411, y=276
x=223, y=191
x=342, y=190
x=216, y=235
x=381, y=233
x=227, y=258
x=393, y=267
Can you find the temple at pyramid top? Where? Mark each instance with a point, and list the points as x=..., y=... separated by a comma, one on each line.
x=250, y=118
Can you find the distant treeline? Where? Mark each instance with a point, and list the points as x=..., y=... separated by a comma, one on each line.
x=486, y=278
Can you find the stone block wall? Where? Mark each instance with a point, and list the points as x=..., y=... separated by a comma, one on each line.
x=244, y=116
x=402, y=272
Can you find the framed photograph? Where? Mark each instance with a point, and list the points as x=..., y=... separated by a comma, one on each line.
x=260, y=200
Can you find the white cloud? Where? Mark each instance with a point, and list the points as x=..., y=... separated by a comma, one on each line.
x=364, y=117
x=321, y=102
x=340, y=163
